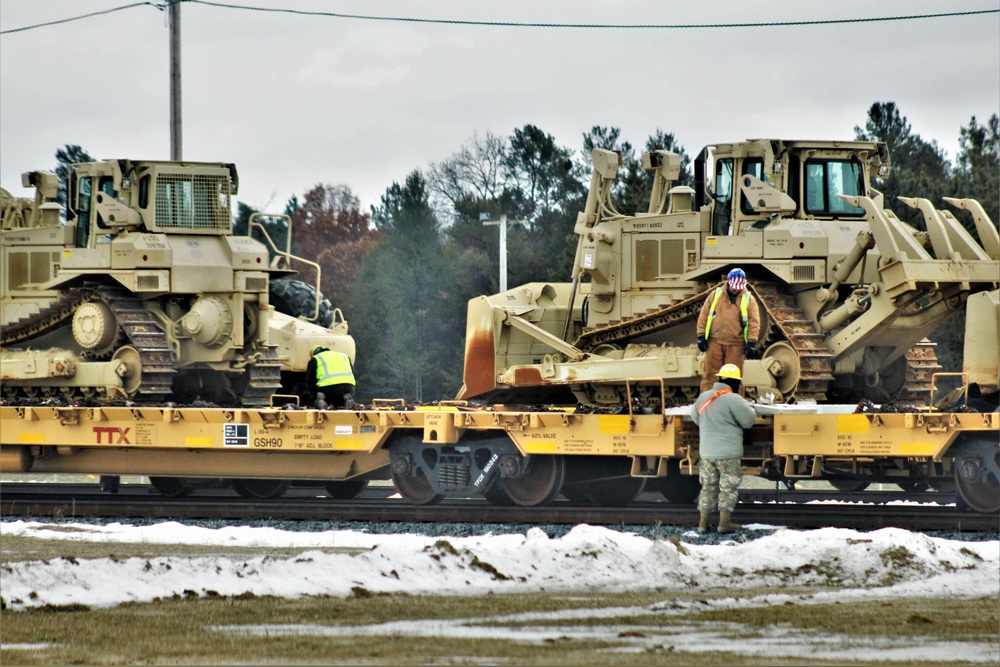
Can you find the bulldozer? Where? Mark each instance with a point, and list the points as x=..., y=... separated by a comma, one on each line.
x=848, y=292
x=139, y=291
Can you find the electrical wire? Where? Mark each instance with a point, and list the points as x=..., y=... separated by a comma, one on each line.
x=514, y=24
x=84, y=16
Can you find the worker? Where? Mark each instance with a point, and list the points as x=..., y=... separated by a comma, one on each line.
x=721, y=415
x=728, y=327
x=332, y=375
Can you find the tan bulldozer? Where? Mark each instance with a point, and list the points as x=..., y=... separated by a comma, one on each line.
x=848, y=292
x=143, y=293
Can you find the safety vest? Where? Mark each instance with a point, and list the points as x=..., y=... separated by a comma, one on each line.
x=744, y=316
x=708, y=401
x=333, y=368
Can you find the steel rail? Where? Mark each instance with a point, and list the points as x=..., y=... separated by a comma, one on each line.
x=373, y=506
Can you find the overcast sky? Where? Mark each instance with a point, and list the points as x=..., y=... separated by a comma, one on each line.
x=298, y=100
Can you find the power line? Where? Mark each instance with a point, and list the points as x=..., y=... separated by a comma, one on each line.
x=84, y=16
x=646, y=26
x=516, y=24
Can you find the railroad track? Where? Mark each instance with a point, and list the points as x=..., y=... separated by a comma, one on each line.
x=861, y=510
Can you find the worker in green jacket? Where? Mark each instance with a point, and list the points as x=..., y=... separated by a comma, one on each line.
x=721, y=415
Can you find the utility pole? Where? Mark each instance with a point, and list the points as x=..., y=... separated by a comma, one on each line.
x=175, y=80
x=503, y=246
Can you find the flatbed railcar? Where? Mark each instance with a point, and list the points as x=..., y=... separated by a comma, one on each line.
x=509, y=454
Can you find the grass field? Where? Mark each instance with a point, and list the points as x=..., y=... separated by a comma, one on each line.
x=524, y=629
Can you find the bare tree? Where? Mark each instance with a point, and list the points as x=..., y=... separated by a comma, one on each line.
x=476, y=170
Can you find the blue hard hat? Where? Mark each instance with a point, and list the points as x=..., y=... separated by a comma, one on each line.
x=736, y=273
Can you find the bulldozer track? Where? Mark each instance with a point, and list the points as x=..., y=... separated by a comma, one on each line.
x=143, y=334
x=921, y=364
x=148, y=339
x=815, y=358
x=265, y=379
x=653, y=320
x=158, y=366
x=45, y=320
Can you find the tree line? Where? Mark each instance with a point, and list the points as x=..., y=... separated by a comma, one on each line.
x=403, y=271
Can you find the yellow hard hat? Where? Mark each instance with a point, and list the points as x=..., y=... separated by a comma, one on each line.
x=314, y=349
x=731, y=371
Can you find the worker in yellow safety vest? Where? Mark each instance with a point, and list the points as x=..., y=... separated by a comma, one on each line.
x=331, y=375
x=728, y=327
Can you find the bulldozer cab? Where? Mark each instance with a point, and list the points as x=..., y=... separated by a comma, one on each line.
x=155, y=197
x=756, y=181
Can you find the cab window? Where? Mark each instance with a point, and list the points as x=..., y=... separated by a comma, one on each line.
x=723, y=196
x=83, y=193
x=144, y=191
x=106, y=185
x=755, y=168
x=825, y=179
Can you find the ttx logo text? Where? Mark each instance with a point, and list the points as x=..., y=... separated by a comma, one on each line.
x=112, y=435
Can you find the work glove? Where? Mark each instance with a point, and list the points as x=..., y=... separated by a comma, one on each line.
x=702, y=343
x=751, y=350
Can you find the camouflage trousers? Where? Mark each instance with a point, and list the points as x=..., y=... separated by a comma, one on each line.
x=720, y=482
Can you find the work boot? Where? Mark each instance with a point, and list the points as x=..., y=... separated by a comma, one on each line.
x=726, y=525
x=703, y=524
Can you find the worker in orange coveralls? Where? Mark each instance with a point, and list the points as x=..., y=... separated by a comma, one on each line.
x=728, y=327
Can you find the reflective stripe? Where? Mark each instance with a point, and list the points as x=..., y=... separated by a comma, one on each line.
x=708, y=401
x=333, y=368
x=744, y=313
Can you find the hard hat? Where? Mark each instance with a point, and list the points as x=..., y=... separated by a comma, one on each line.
x=731, y=371
x=315, y=349
x=736, y=280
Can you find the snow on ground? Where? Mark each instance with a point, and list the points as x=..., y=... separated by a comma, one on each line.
x=855, y=565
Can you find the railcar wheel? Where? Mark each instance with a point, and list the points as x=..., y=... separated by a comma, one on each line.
x=848, y=485
x=677, y=488
x=497, y=495
x=976, y=477
x=260, y=489
x=345, y=490
x=576, y=492
x=416, y=489
x=541, y=485
x=172, y=487
x=580, y=474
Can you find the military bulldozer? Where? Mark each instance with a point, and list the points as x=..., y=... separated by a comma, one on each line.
x=848, y=292
x=145, y=294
